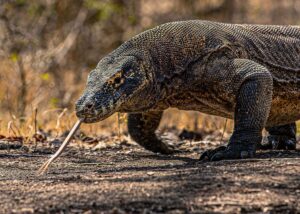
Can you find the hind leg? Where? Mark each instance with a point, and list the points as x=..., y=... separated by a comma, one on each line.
x=142, y=126
x=281, y=137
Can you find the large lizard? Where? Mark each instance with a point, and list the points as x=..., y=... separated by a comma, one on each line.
x=248, y=73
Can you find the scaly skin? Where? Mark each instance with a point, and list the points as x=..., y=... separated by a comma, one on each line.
x=249, y=73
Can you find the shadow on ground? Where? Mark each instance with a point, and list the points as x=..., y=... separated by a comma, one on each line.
x=131, y=180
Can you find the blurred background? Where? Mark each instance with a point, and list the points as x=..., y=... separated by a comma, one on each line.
x=47, y=48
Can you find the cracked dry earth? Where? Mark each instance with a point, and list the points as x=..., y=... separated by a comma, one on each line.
x=128, y=179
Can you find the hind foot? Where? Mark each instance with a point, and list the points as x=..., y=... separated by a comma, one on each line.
x=281, y=137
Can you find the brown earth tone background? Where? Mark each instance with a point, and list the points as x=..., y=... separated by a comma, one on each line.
x=47, y=49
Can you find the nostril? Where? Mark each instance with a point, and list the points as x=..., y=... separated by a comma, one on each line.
x=89, y=106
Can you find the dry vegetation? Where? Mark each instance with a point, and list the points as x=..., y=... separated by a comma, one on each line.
x=49, y=47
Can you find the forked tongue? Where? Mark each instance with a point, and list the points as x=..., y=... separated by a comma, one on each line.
x=45, y=166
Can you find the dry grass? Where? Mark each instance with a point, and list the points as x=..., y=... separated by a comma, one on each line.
x=57, y=121
x=41, y=112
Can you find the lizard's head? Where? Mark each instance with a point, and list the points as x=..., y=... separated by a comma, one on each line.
x=111, y=85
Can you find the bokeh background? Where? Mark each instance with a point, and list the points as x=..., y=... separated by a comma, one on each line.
x=47, y=48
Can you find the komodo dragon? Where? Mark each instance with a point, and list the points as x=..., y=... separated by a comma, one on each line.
x=249, y=73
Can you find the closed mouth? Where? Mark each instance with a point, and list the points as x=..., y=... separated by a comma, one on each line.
x=96, y=118
x=98, y=115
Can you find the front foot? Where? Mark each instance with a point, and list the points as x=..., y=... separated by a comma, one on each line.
x=279, y=142
x=232, y=151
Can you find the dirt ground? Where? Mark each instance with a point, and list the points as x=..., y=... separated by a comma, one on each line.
x=127, y=179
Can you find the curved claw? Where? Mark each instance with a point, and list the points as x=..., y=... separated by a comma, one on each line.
x=267, y=146
x=290, y=145
x=229, y=154
x=232, y=151
x=166, y=149
x=207, y=155
x=204, y=156
x=279, y=143
x=286, y=144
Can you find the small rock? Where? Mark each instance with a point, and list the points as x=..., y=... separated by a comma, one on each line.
x=100, y=145
x=150, y=173
x=55, y=142
x=24, y=210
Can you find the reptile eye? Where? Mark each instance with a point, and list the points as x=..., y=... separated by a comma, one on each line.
x=117, y=80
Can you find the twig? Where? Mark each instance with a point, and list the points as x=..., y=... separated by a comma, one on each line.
x=11, y=129
x=35, y=128
x=224, y=129
x=59, y=117
x=35, y=120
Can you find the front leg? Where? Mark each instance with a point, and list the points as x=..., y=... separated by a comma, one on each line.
x=142, y=126
x=253, y=102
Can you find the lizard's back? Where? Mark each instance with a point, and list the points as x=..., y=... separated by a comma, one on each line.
x=278, y=49
x=275, y=47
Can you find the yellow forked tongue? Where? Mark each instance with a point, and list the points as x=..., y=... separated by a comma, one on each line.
x=45, y=166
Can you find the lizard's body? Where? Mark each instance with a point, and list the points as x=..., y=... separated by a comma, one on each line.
x=250, y=73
